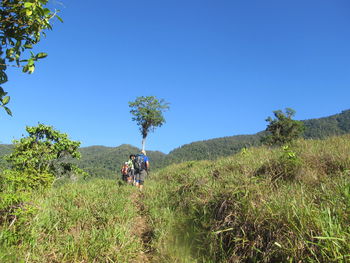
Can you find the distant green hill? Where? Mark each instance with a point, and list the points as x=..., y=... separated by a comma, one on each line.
x=337, y=124
x=104, y=161
x=211, y=149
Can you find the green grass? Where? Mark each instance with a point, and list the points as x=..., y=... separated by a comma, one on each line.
x=288, y=204
x=76, y=222
x=261, y=205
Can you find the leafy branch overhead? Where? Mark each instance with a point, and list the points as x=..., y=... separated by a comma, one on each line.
x=148, y=114
x=22, y=24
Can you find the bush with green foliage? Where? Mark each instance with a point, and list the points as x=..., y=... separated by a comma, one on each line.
x=36, y=161
x=45, y=150
x=282, y=129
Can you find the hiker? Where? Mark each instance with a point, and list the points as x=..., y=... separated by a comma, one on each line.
x=131, y=174
x=125, y=171
x=141, y=166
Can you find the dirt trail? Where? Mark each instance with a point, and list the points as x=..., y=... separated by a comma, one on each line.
x=142, y=230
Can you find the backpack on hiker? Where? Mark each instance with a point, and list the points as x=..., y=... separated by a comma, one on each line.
x=139, y=163
x=125, y=169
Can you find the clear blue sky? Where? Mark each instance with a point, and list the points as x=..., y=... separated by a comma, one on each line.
x=224, y=66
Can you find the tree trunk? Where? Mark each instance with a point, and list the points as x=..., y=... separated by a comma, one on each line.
x=143, y=143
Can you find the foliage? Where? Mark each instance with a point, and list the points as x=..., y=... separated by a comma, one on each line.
x=5, y=149
x=337, y=124
x=287, y=166
x=105, y=162
x=212, y=149
x=77, y=222
x=35, y=161
x=224, y=211
x=44, y=150
x=16, y=188
x=198, y=211
x=148, y=114
x=22, y=24
x=282, y=129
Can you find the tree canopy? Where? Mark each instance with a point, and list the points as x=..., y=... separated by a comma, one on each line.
x=282, y=129
x=148, y=114
x=44, y=150
x=22, y=25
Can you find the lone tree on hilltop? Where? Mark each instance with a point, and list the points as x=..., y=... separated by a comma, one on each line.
x=148, y=114
x=22, y=23
x=282, y=129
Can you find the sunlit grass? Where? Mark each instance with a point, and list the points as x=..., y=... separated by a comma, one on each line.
x=76, y=222
x=287, y=204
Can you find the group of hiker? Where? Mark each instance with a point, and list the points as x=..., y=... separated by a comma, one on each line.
x=136, y=169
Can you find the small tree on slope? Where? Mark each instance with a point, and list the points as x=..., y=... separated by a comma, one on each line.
x=282, y=129
x=148, y=114
x=45, y=150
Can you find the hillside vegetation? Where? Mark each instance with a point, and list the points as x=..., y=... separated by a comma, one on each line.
x=101, y=161
x=288, y=204
x=337, y=124
x=285, y=204
x=75, y=222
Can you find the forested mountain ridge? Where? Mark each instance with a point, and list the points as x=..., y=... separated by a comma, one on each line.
x=105, y=161
x=102, y=161
x=337, y=124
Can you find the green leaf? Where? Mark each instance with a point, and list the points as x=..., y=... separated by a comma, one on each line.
x=5, y=100
x=41, y=55
x=29, y=12
x=29, y=46
x=18, y=44
x=46, y=11
x=59, y=18
x=3, y=77
x=31, y=69
x=25, y=68
x=28, y=4
x=8, y=111
x=30, y=62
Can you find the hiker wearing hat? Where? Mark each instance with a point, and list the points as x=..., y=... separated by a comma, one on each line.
x=141, y=166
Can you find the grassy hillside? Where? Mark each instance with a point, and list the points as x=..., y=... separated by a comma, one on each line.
x=76, y=222
x=260, y=205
